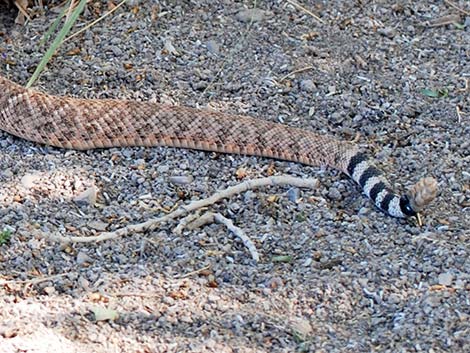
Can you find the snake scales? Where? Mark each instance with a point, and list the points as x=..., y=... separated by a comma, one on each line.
x=83, y=124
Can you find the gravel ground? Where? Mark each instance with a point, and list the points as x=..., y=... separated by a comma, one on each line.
x=335, y=274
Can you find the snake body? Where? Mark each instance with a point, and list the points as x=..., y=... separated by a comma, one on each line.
x=83, y=124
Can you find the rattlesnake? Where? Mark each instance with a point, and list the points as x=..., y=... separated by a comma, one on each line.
x=83, y=124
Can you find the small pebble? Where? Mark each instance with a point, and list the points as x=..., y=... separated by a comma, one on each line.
x=445, y=279
x=212, y=47
x=301, y=326
x=49, y=290
x=98, y=225
x=308, y=86
x=83, y=258
x=293, y=194
x=87, y=197
x=251, y=15
x=387, y=32
x=30, y=180
x=181, y=179
x=7, y=173
x=334, y=194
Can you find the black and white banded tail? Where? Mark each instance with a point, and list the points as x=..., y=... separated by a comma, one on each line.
x=377, y=188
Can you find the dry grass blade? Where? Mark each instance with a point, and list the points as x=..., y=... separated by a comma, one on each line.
x=70, y=9
x=300, y=7
x=55, y=24
x=451, y=4
x=295, y=72
x=95, y=21
x=57, y=42
x=21, y=6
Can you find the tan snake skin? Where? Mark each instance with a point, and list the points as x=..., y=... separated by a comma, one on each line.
x=87, y=124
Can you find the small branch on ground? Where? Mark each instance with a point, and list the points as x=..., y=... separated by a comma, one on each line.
x=295, y=72
x=192, y=273
x=134, y=294
x=443, y=21
x=153, y=223
x=34, y=281
x=451, y=4
x=210, y=217
x=459, y=114
x=189, y=219
x=295, y=4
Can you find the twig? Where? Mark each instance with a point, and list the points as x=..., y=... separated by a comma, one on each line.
x=34, y=280
x=450, y=3
x=189, y=219
x=195, y=272
x=295, y=72
x=199, y=221
x=444, y=21
x=419, y=220
x=240, y=234
x=151, y=224
x=305, y=10
x=466, y=85
x=22, y=10
x=459, y=114
x=211, y=217
x=134, y=294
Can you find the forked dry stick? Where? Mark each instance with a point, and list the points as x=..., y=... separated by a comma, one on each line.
x=193, y=206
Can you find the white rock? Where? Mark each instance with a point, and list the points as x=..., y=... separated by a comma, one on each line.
x=445, y=279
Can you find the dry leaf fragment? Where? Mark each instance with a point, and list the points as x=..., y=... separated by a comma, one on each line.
x=309, y=36
x=74, y=51
x=241, y=173
x=128, y=66
x=271, y=169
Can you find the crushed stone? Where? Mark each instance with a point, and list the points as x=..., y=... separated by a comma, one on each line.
x=350, y=279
